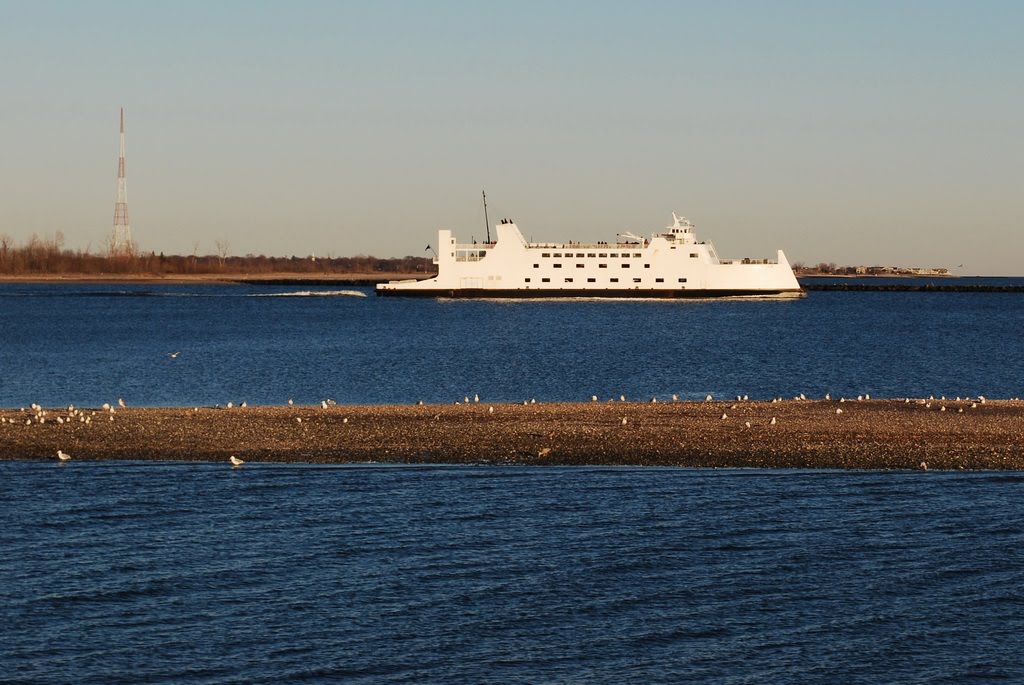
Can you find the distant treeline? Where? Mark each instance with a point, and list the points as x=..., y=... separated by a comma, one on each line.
x=47, y=256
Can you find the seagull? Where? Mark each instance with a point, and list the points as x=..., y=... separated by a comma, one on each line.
x=173, y=355
x=724, y=416
x=235, y=461
x=63, y=456
x=476, y=398
x=773, y=421
x=675, y=398
x=708, y=398
x=593, y=398
x=622, y=398
x=624, y=421
x=291, y=402
x=323, y=404
x=839, y=411
x=121, y=403
x=828, y=396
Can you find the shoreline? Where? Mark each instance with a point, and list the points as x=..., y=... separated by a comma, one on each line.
x=870, y=434
x=276, y=278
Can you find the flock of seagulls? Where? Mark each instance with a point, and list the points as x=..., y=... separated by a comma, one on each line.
x=37, y=415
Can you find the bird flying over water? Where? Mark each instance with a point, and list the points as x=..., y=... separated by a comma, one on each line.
x=173, y=355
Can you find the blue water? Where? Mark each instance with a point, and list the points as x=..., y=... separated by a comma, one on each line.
x=87, y=345
x=192, y=573
x=196, y=573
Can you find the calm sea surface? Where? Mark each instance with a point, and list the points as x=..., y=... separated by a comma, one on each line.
x=121, y=572
x=87, y=345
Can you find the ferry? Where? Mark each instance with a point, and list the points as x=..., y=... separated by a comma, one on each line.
x=670, y=264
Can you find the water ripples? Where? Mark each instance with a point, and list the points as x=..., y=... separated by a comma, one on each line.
x=196, y=573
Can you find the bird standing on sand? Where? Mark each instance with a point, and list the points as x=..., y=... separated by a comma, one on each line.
x=235, y=461
x=121, y=403
x=63, y=456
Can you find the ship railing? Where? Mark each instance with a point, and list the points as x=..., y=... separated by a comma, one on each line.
x=583, y=246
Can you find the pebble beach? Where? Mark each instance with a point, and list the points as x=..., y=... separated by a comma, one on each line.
x=939, y=434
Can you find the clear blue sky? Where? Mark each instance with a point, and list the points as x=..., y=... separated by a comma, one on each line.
x=854, y=132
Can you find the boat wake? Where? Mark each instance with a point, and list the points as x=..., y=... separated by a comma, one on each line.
x=314, y=293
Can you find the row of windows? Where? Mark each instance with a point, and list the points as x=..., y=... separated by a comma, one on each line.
x=601, y=255
x=583, y=266
x=610, y=280
x=591, y=254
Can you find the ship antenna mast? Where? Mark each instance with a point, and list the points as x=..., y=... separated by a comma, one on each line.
x=487, y=222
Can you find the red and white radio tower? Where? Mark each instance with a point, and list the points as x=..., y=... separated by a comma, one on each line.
x=121, y=242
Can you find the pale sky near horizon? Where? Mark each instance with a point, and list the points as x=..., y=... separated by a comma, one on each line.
x=849, y=132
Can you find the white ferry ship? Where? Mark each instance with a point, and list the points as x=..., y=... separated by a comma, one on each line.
x=671, y=264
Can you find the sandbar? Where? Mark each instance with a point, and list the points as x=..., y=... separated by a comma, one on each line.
x=869, y=434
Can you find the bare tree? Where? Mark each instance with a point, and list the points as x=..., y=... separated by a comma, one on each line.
x=222, y=249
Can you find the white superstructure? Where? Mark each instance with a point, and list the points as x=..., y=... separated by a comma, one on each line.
x=668, y=264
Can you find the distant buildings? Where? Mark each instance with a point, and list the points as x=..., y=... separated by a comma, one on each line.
x=833, y=270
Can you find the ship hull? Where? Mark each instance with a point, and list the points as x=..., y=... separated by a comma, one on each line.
x=590, y=293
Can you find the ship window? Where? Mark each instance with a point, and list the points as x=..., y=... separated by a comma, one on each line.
x=545, y=280
x=602, y=266
x=693, y=255
x=636, y=280
x=591, y=254
x=536, y=266
x=579, y=254
x=568, y=280
x=546, y=254
x=558, y=254
x=527, y=280
x=672, y=248
x=603, y=255
x=647, y=266
x=637, y=254
x=659, y=280
x=614, y=280
x=682, y=280
x=591, y=280
x=558, y=266
x=579, y=266
x=625, y=265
